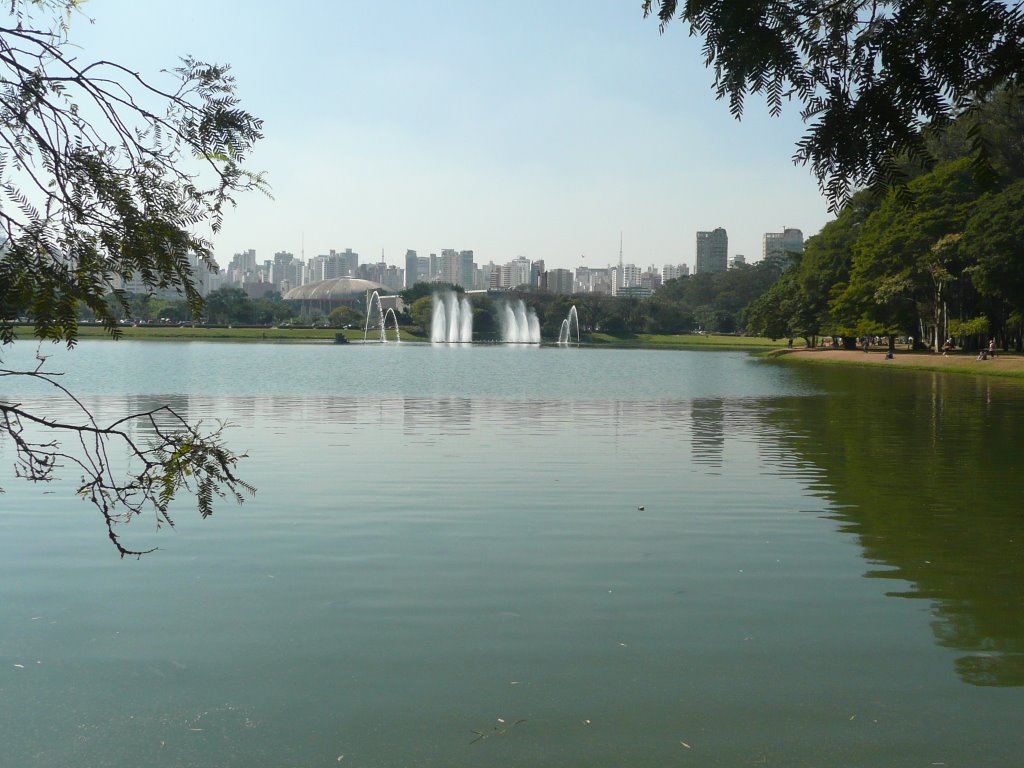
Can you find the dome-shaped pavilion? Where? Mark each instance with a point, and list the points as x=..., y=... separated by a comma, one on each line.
x=325, y=295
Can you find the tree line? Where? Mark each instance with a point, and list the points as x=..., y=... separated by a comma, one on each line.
x=942, y=257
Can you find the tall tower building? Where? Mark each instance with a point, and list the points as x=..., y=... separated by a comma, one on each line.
x=412, y=265
x=712, y=251
x=449, y=268
x=467, y=270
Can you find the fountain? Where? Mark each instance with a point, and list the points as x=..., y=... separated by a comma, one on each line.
x=452, y=319
x=519, y=324
x=565, y=334
x=398, y=334
x=381, y=319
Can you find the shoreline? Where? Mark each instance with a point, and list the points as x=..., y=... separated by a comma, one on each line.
x=1004, y=365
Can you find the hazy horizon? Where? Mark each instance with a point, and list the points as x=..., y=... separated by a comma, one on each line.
x=531, y=130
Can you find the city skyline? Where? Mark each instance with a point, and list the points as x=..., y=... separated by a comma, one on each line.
x=383, y=257
x=508, y=130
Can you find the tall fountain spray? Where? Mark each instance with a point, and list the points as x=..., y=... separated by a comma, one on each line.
x=379, y=319
x=452, y=319
x=565, y=334
x=519, y=323
x=398, y=334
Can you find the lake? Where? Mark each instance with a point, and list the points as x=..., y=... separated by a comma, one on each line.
x=520, y=556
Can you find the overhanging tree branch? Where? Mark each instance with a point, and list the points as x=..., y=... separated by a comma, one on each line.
x=869, y=74
x=177, y=456
x=107, y=176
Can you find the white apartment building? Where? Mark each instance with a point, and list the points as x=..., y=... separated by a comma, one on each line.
x=674, y=271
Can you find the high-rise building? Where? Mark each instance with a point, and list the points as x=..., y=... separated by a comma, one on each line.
x=674, y=271
x=449, y=267
x=486, y=275
x=778, y=244
x=392, y=277
x=467, y=270
x=625, y=276
x=593, y=280
x=737, y=261
x=712, y=251
x=331, y=265
x=517, y=272
x=536, y=270
x=558, y=281
x=412, y=268
x=350, y=259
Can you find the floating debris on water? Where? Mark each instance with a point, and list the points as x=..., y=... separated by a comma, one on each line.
x=497, y=730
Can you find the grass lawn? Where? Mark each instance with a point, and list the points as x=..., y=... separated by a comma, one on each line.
x=1009, y=366
x=686, y=341
x=173, y=332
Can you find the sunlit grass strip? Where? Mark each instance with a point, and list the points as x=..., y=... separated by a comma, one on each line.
x=686, y=341
x=981, y=368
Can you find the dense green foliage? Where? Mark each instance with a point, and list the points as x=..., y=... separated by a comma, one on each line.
x=943, y=257
x=868, y=75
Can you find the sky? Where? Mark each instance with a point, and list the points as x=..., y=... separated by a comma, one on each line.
x=528, y=128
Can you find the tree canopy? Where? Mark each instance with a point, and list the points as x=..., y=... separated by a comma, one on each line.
x=869, y=76
x=943, y=258
x=108, y=175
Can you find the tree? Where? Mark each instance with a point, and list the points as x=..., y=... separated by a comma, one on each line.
x=342, y=316
x=994, y=241
x=421, y=310
x=869, y=75
x=228, y=305
x=893, y=278
x=105, y=176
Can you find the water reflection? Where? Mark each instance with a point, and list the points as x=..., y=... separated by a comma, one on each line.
x=707, y=417
x=924, y=470
x=159, y=419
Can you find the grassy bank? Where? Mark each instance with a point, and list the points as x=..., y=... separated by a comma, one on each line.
x=1008, y=366
x=223, y=333
x=686, y=341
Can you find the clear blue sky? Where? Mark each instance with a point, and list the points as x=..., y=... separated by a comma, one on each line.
x=526, y=128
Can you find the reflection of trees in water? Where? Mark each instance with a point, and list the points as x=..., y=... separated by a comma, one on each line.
x=707, y=431
x=163, y=420
x=925, y=471
x=437, y=415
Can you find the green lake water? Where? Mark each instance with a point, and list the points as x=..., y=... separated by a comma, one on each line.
x=486, y=555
